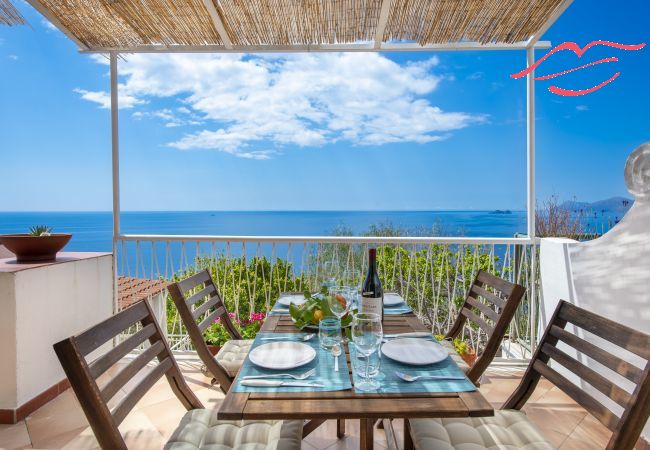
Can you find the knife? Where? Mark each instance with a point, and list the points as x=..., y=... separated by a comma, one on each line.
x=277, y=383
x=414, y=334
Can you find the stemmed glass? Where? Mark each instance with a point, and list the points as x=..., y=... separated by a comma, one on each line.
x=367, y=334
x=329, y=279
x=339, y=300
x=352, y=278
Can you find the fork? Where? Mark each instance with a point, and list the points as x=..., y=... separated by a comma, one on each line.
x=412, y=378
x=302, y=376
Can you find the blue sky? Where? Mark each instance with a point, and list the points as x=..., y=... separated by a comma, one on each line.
x=414, y=131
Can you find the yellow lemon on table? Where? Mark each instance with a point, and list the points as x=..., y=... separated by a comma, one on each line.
x=318, y=315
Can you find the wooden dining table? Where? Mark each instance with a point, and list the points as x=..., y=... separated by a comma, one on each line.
x=366, y=407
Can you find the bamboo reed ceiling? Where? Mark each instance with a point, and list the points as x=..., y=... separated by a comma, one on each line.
x=9, y=15
x=131, y=23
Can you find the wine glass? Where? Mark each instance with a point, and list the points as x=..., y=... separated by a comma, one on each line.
x=352, y=278
x=339, y=300
x=327, y=274
x=367, y=334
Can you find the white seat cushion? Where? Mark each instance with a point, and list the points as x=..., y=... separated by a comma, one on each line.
x=449, y=346
x=232, y=355
x=200, y=430
x=506, y=430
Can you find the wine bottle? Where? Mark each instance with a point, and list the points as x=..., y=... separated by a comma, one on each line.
x=372, y=294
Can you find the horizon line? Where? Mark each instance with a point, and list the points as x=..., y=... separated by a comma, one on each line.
x=260, y=210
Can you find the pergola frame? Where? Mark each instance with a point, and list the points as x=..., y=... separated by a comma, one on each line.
x=378, y=45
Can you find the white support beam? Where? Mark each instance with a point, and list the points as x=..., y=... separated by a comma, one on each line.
x=361, y=47
x=559, y=10
x=531, y=204
x=38, y=6
x=381, y=24
x=115, y=151
x=218, y=24
x=530, y=143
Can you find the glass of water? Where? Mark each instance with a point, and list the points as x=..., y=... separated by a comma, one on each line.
x=367, y=334
x=329, y=332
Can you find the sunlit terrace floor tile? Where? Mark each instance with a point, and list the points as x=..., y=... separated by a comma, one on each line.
x=14, y=436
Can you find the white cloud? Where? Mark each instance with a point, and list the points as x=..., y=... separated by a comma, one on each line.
x=172, y=119
x=103, y=99
x=13, y=57
x=303, y=100
x=582, y=108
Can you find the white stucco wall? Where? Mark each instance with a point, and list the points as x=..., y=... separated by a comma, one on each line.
x=49, y=303
x=609, y=275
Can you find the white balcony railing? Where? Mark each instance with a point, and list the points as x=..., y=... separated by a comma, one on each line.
x=431, y=273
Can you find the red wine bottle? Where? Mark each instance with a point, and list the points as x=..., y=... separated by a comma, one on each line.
x=372, y=294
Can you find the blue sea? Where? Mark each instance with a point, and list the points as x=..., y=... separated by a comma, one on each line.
x=92, y=231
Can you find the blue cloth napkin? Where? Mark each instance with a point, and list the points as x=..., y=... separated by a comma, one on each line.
x=390, y=383
x=397, y=310
x=279, y=310
x=323, y=363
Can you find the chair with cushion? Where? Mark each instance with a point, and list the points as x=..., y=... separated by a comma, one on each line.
x=490, y=304
x=561, y=346
x=199, y=304
x=198, y=429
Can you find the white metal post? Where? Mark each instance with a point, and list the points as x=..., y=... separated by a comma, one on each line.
x=531, y=204
x=115, y=146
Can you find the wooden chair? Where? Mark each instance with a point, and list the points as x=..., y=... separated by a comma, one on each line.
x=199, y=304
x=509, y=426
x=491, y=304
x=192, y=432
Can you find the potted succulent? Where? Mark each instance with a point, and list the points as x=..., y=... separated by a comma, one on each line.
x=216, y=335
x=39, y=245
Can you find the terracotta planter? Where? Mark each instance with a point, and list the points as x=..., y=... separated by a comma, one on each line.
x=469, y=358
x=214, y=349
x=29, y=248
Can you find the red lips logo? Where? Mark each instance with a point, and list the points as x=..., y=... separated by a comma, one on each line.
x=575, y=48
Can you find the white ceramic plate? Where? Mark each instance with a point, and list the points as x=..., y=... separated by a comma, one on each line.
x=392, y=299
x=414, y=351
x=296, y=299
x=282, y=355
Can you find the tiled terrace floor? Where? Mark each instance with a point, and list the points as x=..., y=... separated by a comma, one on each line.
x=60, y=424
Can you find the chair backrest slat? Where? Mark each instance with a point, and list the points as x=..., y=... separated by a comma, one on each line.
x=155, y=361
x=501, y=285
x=631, y=340
x=612, y=362
x=485, y=309
x=477, y=291
x=206, y=306
x=490, y=304
x=199, y=305
x=605, y=394
x=202, y=294
x=100, y=334
x=101, y=365
x=607, y=387
x=214, y=315
x=128, y=372
x=194, y=281
x=487, y=329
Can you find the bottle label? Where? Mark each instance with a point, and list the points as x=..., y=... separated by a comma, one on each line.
x=372, y=305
